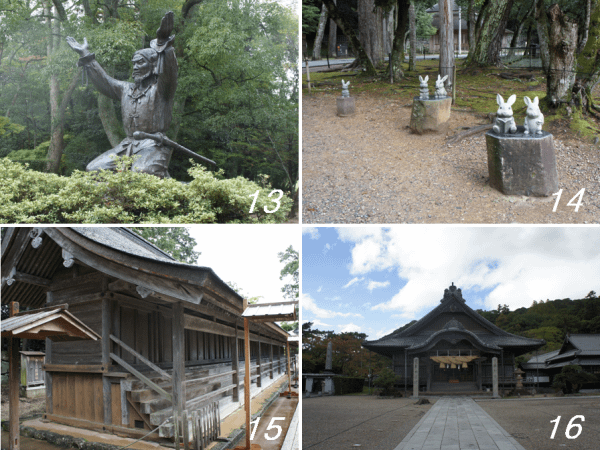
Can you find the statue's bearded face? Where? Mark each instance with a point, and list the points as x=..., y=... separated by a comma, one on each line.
x=142, y=68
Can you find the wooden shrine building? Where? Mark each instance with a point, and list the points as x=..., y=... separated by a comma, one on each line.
x=453, y=349
x=172, y=335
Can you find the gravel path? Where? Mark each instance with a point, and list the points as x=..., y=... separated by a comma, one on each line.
x=529, y=421
x=341, y=422
x=369, y=168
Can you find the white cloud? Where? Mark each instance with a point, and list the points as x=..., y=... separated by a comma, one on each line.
x=310, y=305
x=320, y=289
x=377, y=284
x=352, y=281
x=349, y=328
x=516, y=264
x=312, y=231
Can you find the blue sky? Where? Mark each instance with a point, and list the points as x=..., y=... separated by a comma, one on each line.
x=375, y=279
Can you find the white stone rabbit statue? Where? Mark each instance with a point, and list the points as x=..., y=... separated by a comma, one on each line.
x=440, y=90
x=345, y=91
x=534, y=119
x=505, y=123
x=423, y=89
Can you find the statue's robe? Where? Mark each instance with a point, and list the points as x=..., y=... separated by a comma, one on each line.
x=148, y=109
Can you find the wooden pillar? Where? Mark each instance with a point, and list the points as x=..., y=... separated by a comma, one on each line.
x=48, y=360
x=235, y=359
x=14, y=381
x=106, y=327
x=178, y=379
x=258, y=364
x=247, y=377
x=288, y=370
x=429, y=370
x=271, y=356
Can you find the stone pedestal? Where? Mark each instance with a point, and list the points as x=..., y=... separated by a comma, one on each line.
x=416, y=377
x=345, y=106
x=328, y=388
x=495, y=377
x=522, y=165
x=430, y=115
x=309, y=385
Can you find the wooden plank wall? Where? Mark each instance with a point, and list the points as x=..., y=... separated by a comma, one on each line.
x=81, y=352
x=78, y=395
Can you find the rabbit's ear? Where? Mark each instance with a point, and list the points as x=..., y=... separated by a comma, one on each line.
x=426, y=78
x=499, y=99
x=445, y=78
x=511, y=99
x=527, y=100
x=421, y=78
x=536, y=101
x=343, y=81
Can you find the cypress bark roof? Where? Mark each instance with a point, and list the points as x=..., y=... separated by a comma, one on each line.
x=452, y=320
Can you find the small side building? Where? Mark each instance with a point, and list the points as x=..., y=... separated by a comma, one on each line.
x=172, y=333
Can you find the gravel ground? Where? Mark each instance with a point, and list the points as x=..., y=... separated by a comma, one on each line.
x=340, y=422
x=529, y=421
x=369, y=168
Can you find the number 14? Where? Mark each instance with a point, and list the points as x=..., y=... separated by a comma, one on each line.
x=576, y=205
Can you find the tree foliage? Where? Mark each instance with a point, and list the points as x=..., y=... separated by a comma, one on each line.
x=176, y=241
x=236, y=103
x=349, y=357
x=572, y=378
x=28, y=196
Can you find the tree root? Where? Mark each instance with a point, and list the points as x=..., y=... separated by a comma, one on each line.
x=471, y=131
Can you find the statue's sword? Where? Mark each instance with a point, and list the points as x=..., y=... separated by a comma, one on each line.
x=165, y=140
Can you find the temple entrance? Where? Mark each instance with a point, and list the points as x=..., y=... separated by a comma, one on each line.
x=452, y=375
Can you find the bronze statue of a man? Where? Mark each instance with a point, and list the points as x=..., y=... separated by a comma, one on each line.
x=146, y=104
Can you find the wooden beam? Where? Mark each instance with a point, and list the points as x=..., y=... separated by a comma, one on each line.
x=67, y=283
x=106, y=389
x=12, y=257
x=207, y=326
x=87, y=368
x=140, y=357
x=31, y=279
x=235, y=362
x=137, y=410
x=14, y=380
x=247, y=378
x=142, y=377
x=178, y=337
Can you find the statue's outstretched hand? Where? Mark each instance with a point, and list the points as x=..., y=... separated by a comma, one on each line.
x=166, y=27
x=82, y=49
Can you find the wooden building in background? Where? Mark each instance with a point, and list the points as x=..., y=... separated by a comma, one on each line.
x=172, y=333
x=451, y=349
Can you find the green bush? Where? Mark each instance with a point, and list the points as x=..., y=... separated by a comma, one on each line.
x=125, y=196
x=347, y=385
x=571, y=379
x=386, y=380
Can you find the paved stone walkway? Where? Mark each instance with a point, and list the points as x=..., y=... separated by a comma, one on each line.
x=457, y=423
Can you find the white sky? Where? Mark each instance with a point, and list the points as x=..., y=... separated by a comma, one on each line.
x=247, y=255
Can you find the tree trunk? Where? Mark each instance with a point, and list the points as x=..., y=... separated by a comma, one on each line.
x=332, y=47
x=586, y=26
x=447, y=41
x=412, y=19
x=57, y=143
x=320, y=31
x=368, y=29
x=588, y=65
x=492, y=20
x=471, y=24
x=399, y=34
x=348, y=31
x=520, y=25
x=562, y=46
x=541, y=23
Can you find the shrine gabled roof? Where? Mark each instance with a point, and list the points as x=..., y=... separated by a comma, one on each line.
x=32, y=256
x=576, y=346
x=417, y=338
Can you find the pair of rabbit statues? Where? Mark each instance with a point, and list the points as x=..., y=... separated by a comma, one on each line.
x=505, y=123
x=440, y=90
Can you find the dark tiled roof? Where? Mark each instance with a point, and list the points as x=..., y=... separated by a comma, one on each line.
x=588, y=344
